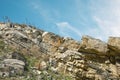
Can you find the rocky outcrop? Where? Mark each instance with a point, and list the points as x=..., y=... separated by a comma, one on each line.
x=71, y=44
x=32, y=54
x=12, y=65
x=114, y=45
x=92, y=45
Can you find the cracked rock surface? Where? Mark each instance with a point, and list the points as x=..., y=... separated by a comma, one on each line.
x=28, y=53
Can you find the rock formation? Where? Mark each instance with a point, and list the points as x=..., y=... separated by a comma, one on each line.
x=92, y=45
x=28, y=53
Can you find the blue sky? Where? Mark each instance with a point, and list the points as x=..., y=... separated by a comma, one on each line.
x=69, y=18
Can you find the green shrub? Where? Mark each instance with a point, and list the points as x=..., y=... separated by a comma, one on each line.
x=2, y=44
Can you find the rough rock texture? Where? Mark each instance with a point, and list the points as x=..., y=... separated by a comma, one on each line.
x=114, y=45
x=27, y=53
x=13, y=65
x=92, y=45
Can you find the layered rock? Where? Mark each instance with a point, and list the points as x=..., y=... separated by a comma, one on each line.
x=92, y=45
x=114, y=45
x=13, y=65
x=47, y=56
x=71, y=44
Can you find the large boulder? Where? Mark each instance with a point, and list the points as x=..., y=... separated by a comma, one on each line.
x=114, y=45
x=92, y=45
x=11, y=68
x=13, y=64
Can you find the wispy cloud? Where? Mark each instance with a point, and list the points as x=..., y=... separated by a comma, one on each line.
x=97, y=18
x=106, y=15
x=45, y=12
x=65, y=28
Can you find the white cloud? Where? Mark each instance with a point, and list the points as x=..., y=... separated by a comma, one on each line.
x=109, y=28
x=65, y=28
x=106, y=14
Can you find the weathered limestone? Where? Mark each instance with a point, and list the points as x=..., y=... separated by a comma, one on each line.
x=11, y=67
x=113, y=69
x=71, y=44
x=52, y=39
x=45, y=55
x=114, y=45
x=13, y=62
x=92, y=45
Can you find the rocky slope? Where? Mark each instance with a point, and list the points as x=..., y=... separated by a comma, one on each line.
x=27, y=53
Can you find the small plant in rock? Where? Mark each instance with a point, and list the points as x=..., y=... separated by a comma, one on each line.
x=2, y=44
